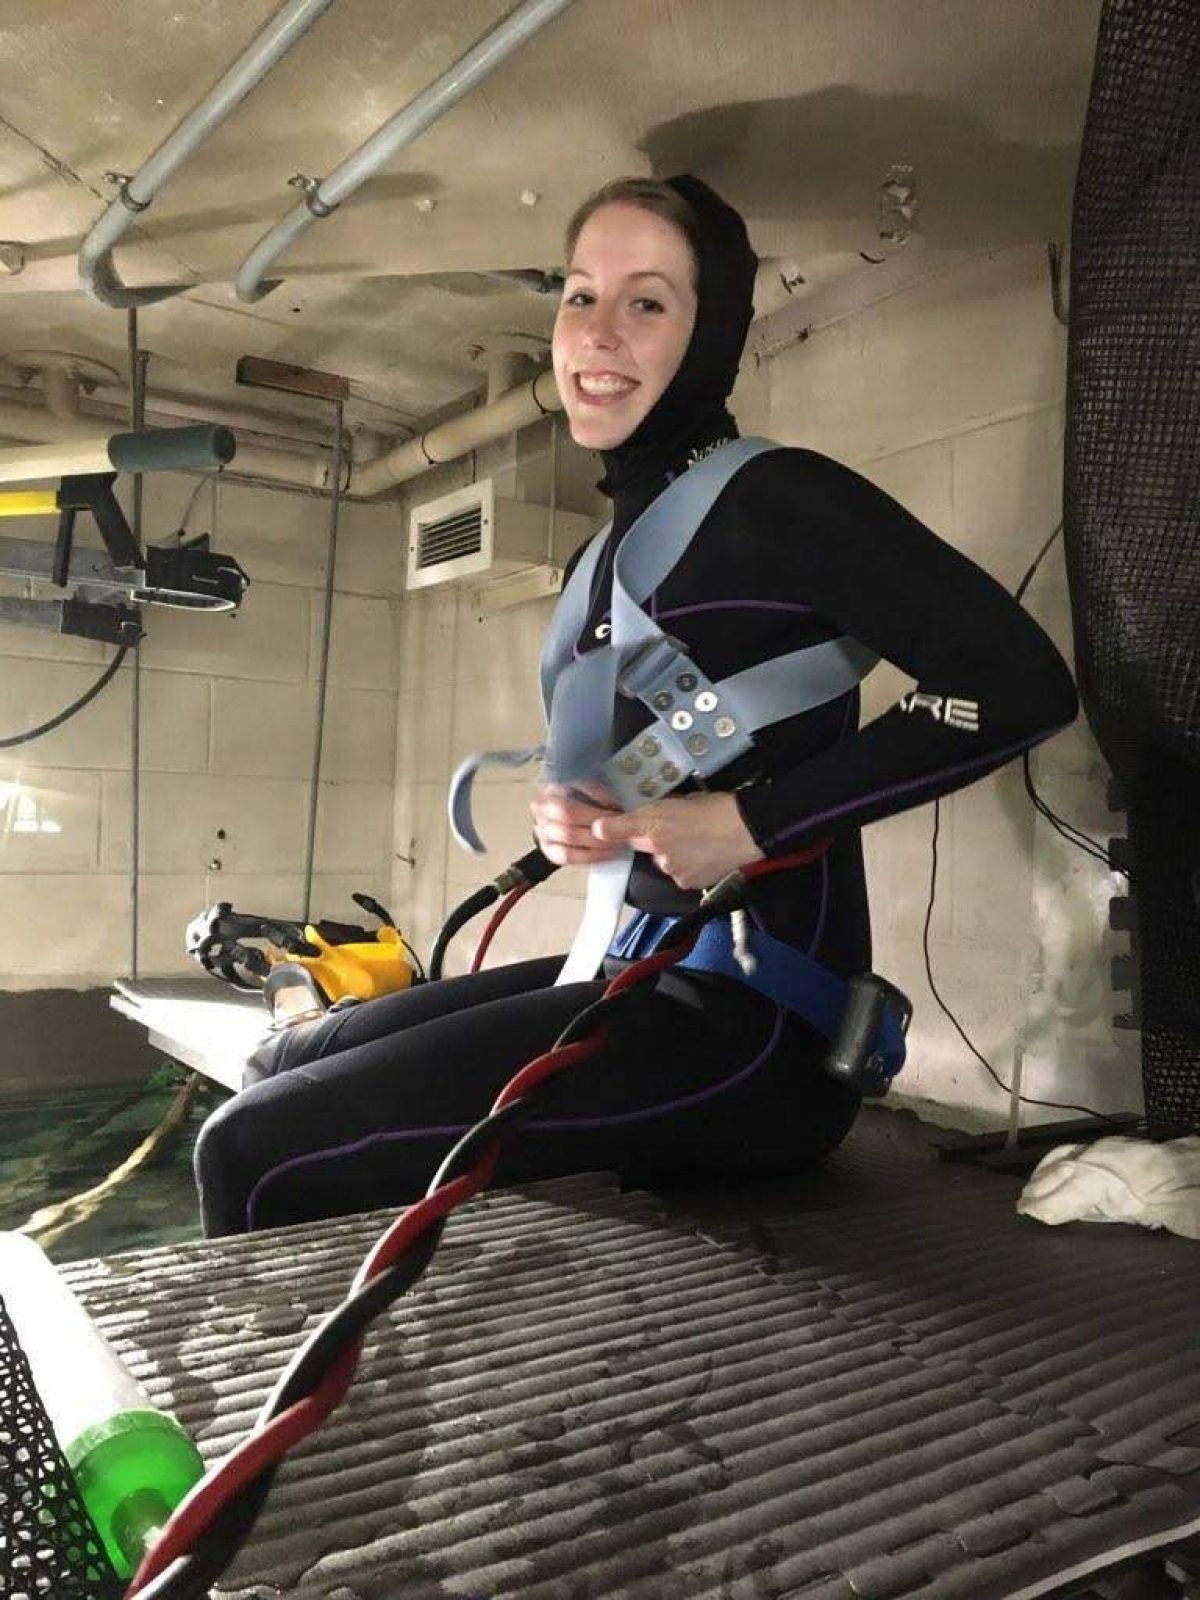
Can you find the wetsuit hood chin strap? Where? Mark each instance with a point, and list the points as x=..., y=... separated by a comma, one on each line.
x=690, y=413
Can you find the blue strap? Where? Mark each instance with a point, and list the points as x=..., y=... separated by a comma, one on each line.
x=783, y=974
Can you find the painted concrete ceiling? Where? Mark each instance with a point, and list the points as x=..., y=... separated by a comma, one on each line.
x=796, y=109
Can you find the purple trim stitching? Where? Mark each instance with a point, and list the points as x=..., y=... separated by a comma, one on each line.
x=457, y=1131
x=994, y=757
x=734, y=605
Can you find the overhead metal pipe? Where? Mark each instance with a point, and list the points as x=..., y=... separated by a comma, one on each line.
x=516, y=409
x=96, y=271
x=324, y=197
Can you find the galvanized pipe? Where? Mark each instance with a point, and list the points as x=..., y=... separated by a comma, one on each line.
x=138, y=362
x=400, y=130
x=96, y=271
x=314, y=797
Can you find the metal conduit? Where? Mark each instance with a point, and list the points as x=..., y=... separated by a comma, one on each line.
x=96, y=271
x=138, y=361
x=314, y=797
x=400, y=130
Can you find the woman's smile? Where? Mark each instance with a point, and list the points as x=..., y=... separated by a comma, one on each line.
x=603, y=388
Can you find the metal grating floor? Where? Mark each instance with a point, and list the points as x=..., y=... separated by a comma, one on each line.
x=876, y=1383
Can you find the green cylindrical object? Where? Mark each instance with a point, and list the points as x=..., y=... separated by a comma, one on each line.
x=201, y=446
x=132, y=1463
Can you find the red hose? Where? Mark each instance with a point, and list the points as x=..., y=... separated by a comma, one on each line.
x=494, y=921
x=267, y=1444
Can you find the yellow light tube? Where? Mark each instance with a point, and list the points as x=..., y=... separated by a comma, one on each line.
x=28, y=503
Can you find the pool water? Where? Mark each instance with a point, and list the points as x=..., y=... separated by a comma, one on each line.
x=55, y=1146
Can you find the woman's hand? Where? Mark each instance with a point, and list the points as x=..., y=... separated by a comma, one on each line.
x=695, y=839
x=562, y=825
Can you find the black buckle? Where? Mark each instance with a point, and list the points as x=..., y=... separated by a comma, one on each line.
x=852, y=1058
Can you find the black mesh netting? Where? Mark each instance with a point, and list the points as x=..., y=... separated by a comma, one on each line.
x=1132, y=495
x=48, y=1548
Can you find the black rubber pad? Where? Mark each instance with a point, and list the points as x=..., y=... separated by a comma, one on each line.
x=879, y=1382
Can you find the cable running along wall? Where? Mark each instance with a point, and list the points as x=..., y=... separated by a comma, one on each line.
x=1132, y=497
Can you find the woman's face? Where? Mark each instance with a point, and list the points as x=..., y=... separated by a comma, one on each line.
x=628, y=306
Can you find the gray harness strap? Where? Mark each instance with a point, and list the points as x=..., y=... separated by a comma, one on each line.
x=700, y=726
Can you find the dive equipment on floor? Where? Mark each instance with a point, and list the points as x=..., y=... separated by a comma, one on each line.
x=302, y=969
x=131, y=1462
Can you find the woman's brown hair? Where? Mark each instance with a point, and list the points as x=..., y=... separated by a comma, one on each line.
x=651, y=194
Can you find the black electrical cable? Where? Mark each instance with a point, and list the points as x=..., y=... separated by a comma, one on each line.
x=532, y=868
x=1056, y=1105
x=458, y=918
x=1069, y=832
x=102, y=682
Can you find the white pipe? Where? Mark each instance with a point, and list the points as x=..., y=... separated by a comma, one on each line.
x=517, y=409
x=28, y=463
x=61, y=388
x=450, y=440
x=76, y=446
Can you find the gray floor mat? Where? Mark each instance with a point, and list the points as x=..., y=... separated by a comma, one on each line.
x=876, y=1383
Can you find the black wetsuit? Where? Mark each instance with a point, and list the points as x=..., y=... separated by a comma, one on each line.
x=701, y=1077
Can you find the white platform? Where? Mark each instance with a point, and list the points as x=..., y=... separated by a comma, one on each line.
x=200, y=1022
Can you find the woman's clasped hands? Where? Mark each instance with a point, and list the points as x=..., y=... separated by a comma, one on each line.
x=693, y=839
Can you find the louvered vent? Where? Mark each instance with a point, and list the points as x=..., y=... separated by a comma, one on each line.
x=474, y=535
x=450, y=537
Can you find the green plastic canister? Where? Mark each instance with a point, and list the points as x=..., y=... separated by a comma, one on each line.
x=132, y=1463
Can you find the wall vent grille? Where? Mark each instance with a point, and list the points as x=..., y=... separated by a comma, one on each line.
x=448, y=538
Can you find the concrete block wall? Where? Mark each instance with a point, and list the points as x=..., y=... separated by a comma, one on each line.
x=228, y=707
x=950, y=397
x=468, y=682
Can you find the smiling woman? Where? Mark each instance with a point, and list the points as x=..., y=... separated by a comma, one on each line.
x=708, y=1073
x=627, y=313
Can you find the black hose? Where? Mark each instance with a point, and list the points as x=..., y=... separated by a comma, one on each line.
x=101, y=682
x=458, y=918
x=532, y=868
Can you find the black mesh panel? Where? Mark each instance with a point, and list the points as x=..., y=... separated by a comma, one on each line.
x=1132, y=494
x=48, y=1547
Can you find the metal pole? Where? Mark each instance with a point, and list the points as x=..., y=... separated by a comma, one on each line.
x=138, y=360
x=335, y=503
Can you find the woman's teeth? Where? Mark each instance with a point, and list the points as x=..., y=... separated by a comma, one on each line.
x=603, y=385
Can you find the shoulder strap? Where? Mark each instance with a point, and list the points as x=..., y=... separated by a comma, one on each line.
x=652, y=546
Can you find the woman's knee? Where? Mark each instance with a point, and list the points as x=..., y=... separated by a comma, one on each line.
x=224, y=1163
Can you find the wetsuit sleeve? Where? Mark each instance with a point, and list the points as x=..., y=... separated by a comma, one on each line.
x=989, y=681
